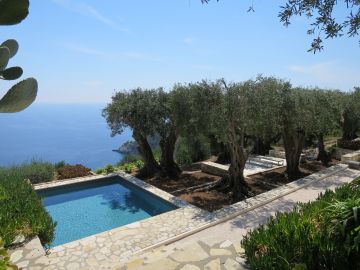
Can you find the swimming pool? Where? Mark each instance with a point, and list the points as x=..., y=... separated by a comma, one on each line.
x=88, y=208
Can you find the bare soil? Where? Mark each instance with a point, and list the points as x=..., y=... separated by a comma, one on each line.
x=215, y=199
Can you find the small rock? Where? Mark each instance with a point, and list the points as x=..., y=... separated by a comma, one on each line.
x=19, y=239
x=238, y=248
x=226, y=244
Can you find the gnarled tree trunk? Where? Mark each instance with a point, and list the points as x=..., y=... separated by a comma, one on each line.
x=238, y=156
x=167, y=163
x=261, y=147
x=349, y=126
x=293, y=144
x=151, y=167
x=323, y=156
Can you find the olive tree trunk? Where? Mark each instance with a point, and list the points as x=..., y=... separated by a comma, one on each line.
x=293, y=144
x=323, y=156
x=167, y=162
x=261, y=147
x=151, y=167
x=349, y=126
x=238, y=156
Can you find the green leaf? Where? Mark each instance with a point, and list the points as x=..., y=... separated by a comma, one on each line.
x=19, y=97
x=13, y=11
x=12, y=45
x=4, y=57
x=12, y=73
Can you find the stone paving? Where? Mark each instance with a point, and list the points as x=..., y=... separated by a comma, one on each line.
x=252, y=167
x=208, y=253
x=111, y=249
x=219, y=247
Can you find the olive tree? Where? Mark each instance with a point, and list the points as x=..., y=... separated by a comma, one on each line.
x=325, y=110
x=351, y=114
x=231, y=119
x=137, y=109
x=165, y=127
x=146, y=112
x=264, y=108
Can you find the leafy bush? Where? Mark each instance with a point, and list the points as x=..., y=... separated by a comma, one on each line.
x=21, y=210
x=100, y=171
x=72, y=171
x=129, y=159
x=320, y=235
x=128, y=167
x=130, y=162
x=35, y=171
x=109, y=168
x=59, y=164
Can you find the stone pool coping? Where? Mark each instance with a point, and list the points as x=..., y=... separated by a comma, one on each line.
x=129, y=178
x=113, y=248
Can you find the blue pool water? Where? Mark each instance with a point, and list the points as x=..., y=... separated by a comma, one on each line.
x=85, y=209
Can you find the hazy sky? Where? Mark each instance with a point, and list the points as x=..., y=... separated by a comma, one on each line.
x=81, y=51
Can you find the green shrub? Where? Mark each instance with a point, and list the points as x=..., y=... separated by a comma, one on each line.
x=35, y=171
x=131, y=162
x=128, y=167
x=60, y=164
x=320, y=235
x=109, y=168
x=139, y=164
x=100, y=171
x=21, y=210
x=129, y=159
x=72, y=171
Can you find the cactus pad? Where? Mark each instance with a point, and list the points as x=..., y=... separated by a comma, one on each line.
x=12, y=73
x=19, y=97
x=12, y=45
x=13, y=11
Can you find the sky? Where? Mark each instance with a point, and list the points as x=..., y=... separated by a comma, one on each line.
x=82, y=51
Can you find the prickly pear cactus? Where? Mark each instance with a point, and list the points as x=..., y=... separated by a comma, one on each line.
x=21, y=95
x=13, y=11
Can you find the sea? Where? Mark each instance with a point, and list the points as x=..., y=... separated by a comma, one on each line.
x=76, y=134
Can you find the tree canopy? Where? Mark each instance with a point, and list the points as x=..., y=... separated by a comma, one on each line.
x=236, y=114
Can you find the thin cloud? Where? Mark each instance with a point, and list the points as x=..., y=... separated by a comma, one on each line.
x=328, y=73
x=89, y=11
x=84, y=50
x=141, y=56
x=132, y=55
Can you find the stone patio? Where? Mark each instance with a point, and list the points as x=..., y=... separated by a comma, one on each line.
x=111, y=249
x=218, y=247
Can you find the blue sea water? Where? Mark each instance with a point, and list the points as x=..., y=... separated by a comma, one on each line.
x=85, y=209
x=74, y=133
